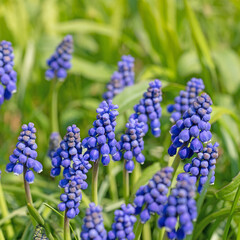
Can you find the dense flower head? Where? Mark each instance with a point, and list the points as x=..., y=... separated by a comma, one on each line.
x=193, y=129
x=93, y=226
x=124, y=220
x=59, y=62
x=152, y=197
x=202, y=165
x=69, y=151
x=54, y=142
x=8, y=77
x=132, y=144
x=24, y=155
x=72, y=195
x=121, y=78
x=185, y=98
x=149, y=108
x=39, y=233
x=101, y=140
x=180, y=209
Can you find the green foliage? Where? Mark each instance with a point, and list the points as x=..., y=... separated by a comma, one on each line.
x=172, y=40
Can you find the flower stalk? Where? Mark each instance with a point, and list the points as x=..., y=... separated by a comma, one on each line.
x=67, y=235
x=95, y=181
x=125, y=183
x=139, y=229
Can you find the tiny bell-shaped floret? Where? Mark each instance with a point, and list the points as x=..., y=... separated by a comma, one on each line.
x=151, y=198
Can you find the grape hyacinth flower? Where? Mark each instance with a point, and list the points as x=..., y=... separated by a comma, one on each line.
x=132, y=144
x=59, y=62
x=149, y=108
x=180, y=208
x=203, y=164
x=101, y=138
x=53, y=143
x=185, y=98
x=8, y=77
x=122, y=78
x=40, y=233
x=193, y=129
x=152, y=197
x=124, y=220
x=24, y=156
x=93, y=226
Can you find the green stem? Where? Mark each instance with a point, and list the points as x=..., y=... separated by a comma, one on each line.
x=54, y=105
x=236, y=198
x=113, y=184
x=238, y=234
x=1, y=235
x=67, y=235
x=27, y=188
x=147, y=231
x=139, y=229
x=4, y=208
x=125, y=183
x=95, y=182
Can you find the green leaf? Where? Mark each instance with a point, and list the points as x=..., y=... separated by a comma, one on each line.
x=228, y=192
x=228, y=66
x=35, y=214
x=98, y=72
x=86, y=27
x=147, y=174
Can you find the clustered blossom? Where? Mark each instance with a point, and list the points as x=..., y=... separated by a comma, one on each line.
x=101, y=138
x=69, y=151
x=93, y=226
x=59, y=62
x=8, y=77
x=124, y=220
x=39, y=233
x=121, y=78
x=149, y=108
x=55, y=139
x=152, y=197
x=24, y=155
x=185, y=98
x=193, y=129
x=180, y=209
x=203, y=164
x=132, y=144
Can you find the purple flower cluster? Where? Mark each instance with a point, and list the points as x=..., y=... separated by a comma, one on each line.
x=193, y=129
x=185, y=98
x=101, y=138
x=124, y=220
x=132, y=143
x=72, y=195
x=24, y=155
x=152, y=197
x=8, y=77
x=149, y=108
x=121, y=78
x=203, y=164
x=59, y=62
x=55, y=139
x=69, y=151
x=93, y=226
x=180, y=207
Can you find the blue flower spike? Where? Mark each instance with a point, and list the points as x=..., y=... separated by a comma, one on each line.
x=93, y=226
x=101, y=140
x=149, y=108
x=180, y=209
x=201, y=165
x=24, y=155
x=60, y=62
x=122, y=78
x=185, y=99
x=132, y=144
x=124, y=220
x=8, y=77
x=193, y=130
x=151, y=198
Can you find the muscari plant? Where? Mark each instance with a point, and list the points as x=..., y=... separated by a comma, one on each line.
x=72, y=160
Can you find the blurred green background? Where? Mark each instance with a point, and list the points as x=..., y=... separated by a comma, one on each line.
x=172, y=40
